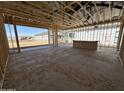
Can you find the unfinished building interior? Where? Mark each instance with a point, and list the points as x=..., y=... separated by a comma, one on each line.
x=85, y=49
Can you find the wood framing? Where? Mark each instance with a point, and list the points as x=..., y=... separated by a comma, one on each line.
x=90, y=45
x=64, y=14
x=16, y=35
x=98, y=13
x=120, y=33
x=121, y=53
x=3, y=47
x=49, y=36
x=87, y=12
x=55, y=34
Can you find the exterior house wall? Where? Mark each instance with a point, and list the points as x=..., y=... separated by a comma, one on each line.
x=43, y=37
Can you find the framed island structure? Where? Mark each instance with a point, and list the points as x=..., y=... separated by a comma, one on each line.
x=89, y=45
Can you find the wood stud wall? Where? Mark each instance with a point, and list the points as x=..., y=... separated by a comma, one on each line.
x=3, y=47
x=120, y=45
x=120, y=33
x=105, y=34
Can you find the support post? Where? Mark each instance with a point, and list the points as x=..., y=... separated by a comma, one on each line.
x=55, y=34
x=49, y=36
x=53, y=37
x=16, y=35
x=121, y=53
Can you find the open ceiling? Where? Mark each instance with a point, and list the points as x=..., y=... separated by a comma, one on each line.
x=66, y=14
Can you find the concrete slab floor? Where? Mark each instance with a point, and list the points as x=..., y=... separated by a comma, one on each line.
x=65, y=68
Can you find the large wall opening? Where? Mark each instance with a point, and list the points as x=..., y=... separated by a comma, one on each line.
x=28, y=36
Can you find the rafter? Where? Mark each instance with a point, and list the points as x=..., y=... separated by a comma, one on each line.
x=49, y=15
x=73, y=11
x=32, y=13
x=70, y=16
x=59, y=10
x=110, y=10
x=30, y=3
x=87, y=12
x=100, y=23
x=21, y=11
x=23, y=15
x=103, y=14
x=63, y=7
x=70, y=21
x=121, y=12
x=65, y=14
x=98, y=13
x=78, y=21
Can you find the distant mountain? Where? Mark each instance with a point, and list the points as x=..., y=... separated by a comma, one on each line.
x=40, y=34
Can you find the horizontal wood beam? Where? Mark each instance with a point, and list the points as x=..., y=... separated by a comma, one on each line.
x=100, y=23
x=27, y=23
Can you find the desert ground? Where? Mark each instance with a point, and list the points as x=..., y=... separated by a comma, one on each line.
x=26, y=43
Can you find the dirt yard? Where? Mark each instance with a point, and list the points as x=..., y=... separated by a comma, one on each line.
x=26, y=43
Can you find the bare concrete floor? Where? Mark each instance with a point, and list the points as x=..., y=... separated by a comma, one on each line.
x=65, y=68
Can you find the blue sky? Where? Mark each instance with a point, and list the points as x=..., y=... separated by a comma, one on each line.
x=24, y=30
